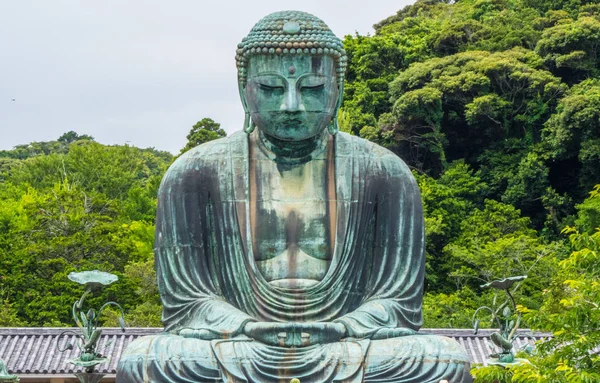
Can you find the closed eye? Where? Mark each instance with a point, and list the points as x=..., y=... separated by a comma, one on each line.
x=312, y=87
x=270, y=87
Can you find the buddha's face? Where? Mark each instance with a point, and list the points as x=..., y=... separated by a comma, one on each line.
x=291, y=97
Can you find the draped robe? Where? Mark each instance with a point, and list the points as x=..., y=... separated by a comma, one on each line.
x=208, y=279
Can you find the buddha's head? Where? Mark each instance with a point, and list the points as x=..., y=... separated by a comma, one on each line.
x=290, y=73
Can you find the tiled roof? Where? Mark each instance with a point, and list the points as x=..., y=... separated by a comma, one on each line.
x=33, y=350
x=478, y=346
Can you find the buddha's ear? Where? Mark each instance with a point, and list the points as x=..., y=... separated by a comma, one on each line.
x=248, y=124
x=333, y=126
x=242, y=88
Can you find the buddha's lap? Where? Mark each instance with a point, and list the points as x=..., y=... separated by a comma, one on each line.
x=395, y=355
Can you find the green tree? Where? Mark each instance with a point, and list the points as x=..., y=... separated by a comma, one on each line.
x=60, y=146
x=452, y=310
x=555, y=174
x=462, y=105
x=9, y=317
x=203, y=131
x=572, y=138
x=478, y=80
x=497, y=242
x=570, y=47
x=571, y=312
x=62, y=230
x=471, y=240
x=146, y=313
x=569, y=6
x=72, y=136
x=588, y=217
x=92, y=207
x=110, y=170
x=447, y=201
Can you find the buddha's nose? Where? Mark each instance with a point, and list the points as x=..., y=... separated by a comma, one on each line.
x=292, y=102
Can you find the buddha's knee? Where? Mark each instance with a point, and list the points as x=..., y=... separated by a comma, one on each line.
x=417, y=358
x=168, y=358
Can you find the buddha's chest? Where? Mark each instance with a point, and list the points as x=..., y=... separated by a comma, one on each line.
x=292, y=222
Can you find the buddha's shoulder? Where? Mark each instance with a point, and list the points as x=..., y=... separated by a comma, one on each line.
x=206, y=160
x=211, y=152
x=221, y=147
x=376, y=157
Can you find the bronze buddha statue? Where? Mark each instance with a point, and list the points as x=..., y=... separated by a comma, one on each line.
x=289, y=249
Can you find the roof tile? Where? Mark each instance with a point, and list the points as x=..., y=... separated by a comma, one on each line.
x=33, y=350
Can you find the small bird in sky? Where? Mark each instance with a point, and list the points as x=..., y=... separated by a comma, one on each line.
x=14, y=99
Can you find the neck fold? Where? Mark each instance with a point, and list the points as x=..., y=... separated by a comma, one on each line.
x=292, y=152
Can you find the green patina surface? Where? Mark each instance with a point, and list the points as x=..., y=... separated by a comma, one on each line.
x=508, y=324
x=289, y=250
x=5, y=377
x=87, y=322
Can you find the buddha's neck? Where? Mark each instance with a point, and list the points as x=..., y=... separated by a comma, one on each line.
x=293, y=152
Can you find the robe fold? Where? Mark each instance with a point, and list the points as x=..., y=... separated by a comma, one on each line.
x=207, y=275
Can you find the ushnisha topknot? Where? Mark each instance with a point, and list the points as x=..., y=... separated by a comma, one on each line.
x=290, y=32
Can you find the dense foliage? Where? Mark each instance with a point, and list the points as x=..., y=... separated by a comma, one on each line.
x=74, y=204
x=507, y=86
x=571, y=310
x=495, y=105
x=81, y=205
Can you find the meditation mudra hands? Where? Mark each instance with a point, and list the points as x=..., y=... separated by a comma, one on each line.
x=309, y=333
x=296, y=334
x=279, y=334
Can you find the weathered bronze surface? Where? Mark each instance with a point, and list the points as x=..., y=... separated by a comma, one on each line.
x=5, y=377
x=290, y=250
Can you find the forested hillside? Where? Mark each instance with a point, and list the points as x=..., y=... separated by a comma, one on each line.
x=494, y=104
x=74, y=204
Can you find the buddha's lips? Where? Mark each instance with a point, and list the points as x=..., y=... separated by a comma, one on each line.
x=291, y=122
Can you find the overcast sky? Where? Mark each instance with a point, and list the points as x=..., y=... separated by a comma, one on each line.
x=133, y=71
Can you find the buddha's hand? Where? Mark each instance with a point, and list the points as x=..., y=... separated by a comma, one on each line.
x=295, y=334
x=202, y=334
x=386, y=333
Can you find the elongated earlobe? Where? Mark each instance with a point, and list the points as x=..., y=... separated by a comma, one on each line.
x=333, y=126
x=248, y=124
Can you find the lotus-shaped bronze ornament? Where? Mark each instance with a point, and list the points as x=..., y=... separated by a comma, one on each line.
x=93, y=278
x=87, y=322
x=507, y=323
x=504, y=284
